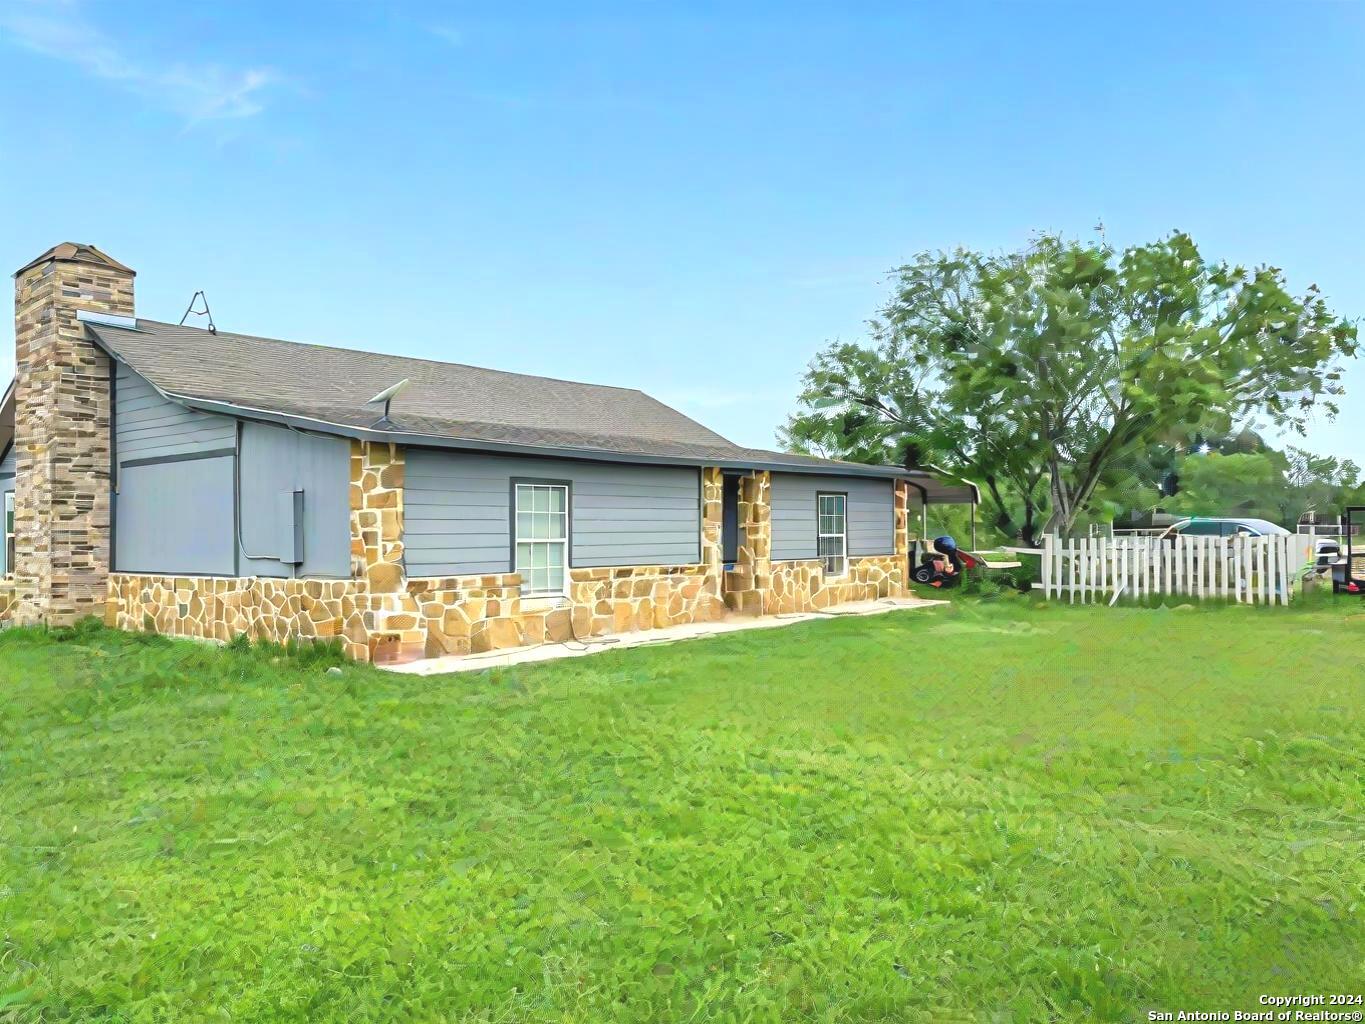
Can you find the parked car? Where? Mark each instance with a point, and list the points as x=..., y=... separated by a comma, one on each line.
x=1209, y=527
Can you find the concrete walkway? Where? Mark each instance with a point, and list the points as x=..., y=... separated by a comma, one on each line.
x=648, y=638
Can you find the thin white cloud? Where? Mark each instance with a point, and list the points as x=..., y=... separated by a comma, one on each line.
x=453, y=36
x=60, y=30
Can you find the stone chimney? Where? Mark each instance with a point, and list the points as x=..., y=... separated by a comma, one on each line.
x=62, y=439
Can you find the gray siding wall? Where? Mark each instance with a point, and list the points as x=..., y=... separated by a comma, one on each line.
x=457, y=511
x=174, y=511
x=275, y=460
x=175, y=517
x=871, y=506
x=147, y=426
x=6, y=487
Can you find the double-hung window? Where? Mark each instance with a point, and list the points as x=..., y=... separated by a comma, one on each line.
x=7, y=552
x=832, y=532
x=542, y=540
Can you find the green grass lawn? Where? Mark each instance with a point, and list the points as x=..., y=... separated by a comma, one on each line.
x=993, y=811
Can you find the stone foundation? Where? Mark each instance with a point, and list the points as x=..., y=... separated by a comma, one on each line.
x=801, y=586
x=6, y=599
x=427, y=617
x=466, y=614
x=642, y=597
x=209, y=608
x=371, y=625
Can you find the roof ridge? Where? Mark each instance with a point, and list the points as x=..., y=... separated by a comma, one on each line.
x=384, y=355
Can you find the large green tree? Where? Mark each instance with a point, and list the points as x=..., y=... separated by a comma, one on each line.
x=1048, y=374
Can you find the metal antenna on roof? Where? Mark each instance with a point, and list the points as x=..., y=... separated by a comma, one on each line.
x=387, y=396
x=200, y=297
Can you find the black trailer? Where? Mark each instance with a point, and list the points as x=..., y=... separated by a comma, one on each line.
x=1348, y=574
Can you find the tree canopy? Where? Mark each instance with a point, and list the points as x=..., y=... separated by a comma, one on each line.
x=1268, y=484
x=1049, y=375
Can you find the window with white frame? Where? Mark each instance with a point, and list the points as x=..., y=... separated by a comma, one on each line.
x=542, y=541
x=832, y=532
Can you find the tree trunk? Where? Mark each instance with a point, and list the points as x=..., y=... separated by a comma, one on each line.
x=1028, y=533
x=1063, y=518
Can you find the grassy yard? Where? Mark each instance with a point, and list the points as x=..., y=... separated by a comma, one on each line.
x=995, y=811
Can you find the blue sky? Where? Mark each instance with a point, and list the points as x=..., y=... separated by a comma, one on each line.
x=691, y=199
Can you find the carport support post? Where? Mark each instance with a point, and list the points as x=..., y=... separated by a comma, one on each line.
x=973, y=525
x=901, y=541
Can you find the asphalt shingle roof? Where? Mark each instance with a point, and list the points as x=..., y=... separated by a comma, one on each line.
x=452, y=401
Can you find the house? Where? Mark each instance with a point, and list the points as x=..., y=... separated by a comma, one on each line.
x=207, y=484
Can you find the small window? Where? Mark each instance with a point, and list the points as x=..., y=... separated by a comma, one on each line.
x=542, y=541
x=7, y=555
x=832, y=532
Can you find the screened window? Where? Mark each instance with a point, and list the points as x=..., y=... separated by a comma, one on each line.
x=832, y=532
x=7, y=553
x=542, y=542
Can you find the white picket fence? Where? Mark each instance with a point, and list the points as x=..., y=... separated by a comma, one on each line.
x=1259, y=570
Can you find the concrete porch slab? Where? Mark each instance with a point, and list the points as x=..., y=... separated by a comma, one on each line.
x=669, y=635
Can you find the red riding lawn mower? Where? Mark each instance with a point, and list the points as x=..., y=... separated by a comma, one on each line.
x=943, y=564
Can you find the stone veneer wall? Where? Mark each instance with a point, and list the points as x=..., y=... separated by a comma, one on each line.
x=712, y=526
x=390, y=625
x=62, y=435
x=901, y=522
x=801, y=586
x=6, y=599
x=751, y=578
x=212, y=608
x=427, y=617
x=380, y=613
x=350, y=610
x=377, y=477
x=639, y=597
x=464, y=615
